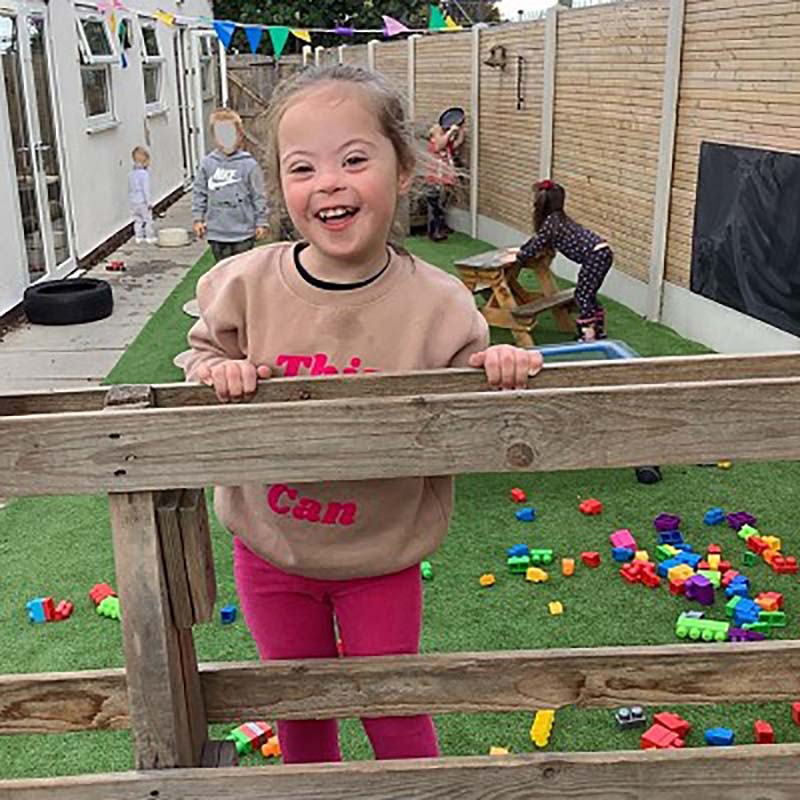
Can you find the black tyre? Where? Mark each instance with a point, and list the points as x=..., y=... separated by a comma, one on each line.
x=648, y=475
x=68, y=302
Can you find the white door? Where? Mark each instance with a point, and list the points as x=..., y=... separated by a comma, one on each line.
x=43, y=215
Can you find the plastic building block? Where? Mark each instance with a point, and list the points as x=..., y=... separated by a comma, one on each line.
x=678, y=588
x=250, y=736
x=632, y=717
x=498, y=751
x=770, y=601
x=272, y=749
x=796, y=713
x=641, y=555
x=700, y=589
x=542, y=727
x=657, y=737
x=667, y=522
x=591, y=507
x=536, y=575
x=673, y=722
x=784, y=566
x=518, y=496
x=680, y=572
x=741, y=635
x=110, y=608
x=526, y=514
x=555, y=607
x=518, y=565
x=714, y=561
x=769, y=554
x=747, y=530
x=719, y=737
x=227, y=615
x=773, y=542
x=750, y=558
x=695, y=614
x=35, y=610
x=763, y=733
x=707, y=630
x=622, y=554
x=541, y=555
x=591, y=559
x=487, y=579
x=728, y=575
x=730, y=606
x=64, y=610
x=746, y=611
x=426, y=570
x=518, y=550
x=714, y=516
x=724, y=566
x=757, y=627
x=99, y=592
x=670, y=537
x=739, y=518
x=712, y=576
x=714, y=549
x=756, y=544
x=567, y=567
x=775, y=619
x=724, y=464
x=623, y=538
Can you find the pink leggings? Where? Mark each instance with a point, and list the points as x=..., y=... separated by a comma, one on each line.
x=292, y=617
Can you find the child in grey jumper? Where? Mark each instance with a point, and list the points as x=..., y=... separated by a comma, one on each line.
x=228, y=202
x=139, y=196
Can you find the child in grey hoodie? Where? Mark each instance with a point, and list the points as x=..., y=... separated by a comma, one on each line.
x=228, y=202
x=139, y=196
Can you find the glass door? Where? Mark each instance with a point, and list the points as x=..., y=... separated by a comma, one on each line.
x=34, y=140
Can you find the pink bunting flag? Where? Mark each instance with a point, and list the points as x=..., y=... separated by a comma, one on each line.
x=391, y=27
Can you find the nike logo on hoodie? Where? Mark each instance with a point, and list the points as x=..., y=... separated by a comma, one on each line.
x=221, y=178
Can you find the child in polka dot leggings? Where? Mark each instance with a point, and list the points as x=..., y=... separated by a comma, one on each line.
x=554, y=230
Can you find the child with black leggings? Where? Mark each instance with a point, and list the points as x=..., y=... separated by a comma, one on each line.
x=554, y=230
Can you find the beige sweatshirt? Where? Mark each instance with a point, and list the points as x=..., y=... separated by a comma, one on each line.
x=414, y=316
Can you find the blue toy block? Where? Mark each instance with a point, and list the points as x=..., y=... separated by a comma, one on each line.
x=684, y=547
x=35, y=609
x=745, y=611
x=526, y=514
x=622, y=553
x=738, y=587
x=670, y=537
x=714, y=516
x=665, y=566
x=518, y=550
x=692, y=559
x=719, y=737
x=227, y=614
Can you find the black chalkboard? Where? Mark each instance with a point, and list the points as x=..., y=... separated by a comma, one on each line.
x=746, y=242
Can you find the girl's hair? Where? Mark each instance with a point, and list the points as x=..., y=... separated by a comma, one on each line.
x=388, y=105
x=548, y=198
x=226, y=115
x=140, y=150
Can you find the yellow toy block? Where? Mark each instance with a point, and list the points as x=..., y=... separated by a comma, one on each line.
x=641, y=555
x=567, y=567
x=487, y=579
x=498, y=751
x=681, y=572
x=555, y=607
x=542, y=727
x=773, y=542
x=536, y=575
x=724, y=464
x=713, y=561
x=668, y=548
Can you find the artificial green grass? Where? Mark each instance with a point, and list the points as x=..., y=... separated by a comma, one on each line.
x=61, y=546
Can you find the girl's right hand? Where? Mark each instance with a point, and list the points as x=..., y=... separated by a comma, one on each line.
x=233, y=380
x=199, y=229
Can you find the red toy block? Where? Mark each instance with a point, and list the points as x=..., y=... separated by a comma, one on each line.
x=673, y=722
x=649, y=576
x=99, y=592
x=632, y=572
x=714, y=549
x=796, y=713
x=756, y=544
x=518, y=496
x=784, y=565
x=49, y=609
x=657, y=737
x=724, y=566
x=591, y=559
x=591, y=507
x=728, y=575
x=763, y=732
x=678, y=588
x=703, y=565
x=63, y=610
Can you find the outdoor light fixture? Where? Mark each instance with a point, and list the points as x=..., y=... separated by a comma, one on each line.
x=497, y=57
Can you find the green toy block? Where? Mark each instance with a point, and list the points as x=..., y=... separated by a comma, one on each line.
x=730, y=606
x=747, y=530
x=663, y=552
x=426, y=568
x=758, y=627
x=243, y=744
x=712, y=575
x=109, y=607
x=541, y=556
x=775, y=619
x=518, y=565
x=750, y=558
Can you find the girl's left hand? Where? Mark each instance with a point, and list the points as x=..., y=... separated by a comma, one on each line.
x=508, y=367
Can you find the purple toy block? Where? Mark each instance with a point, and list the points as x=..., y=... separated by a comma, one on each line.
x=667, y=522
x=741, y=635
x=700, y=589
x=739, y=518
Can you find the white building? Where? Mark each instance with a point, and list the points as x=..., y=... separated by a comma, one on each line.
x=75, y=98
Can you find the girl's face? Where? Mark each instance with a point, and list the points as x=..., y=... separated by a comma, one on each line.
x=141, y=160
x=339, y=176
x=226, y=136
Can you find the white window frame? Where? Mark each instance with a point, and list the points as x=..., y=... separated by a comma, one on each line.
x=93, y=62
x=206, y=67
x=149, y=60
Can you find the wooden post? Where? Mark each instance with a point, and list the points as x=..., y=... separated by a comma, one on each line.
x=548, y=92
x=474, y=141
x=307, y=51
x=167, y=709
x=411, y=64
x=318, y=51
x=371, y=45
x=340, y=52
x=666, y=157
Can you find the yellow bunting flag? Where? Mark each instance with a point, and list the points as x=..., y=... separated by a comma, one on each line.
x=301, y=34
x=165, y=17
x=451, y=23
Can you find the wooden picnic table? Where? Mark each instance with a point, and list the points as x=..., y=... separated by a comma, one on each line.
x=509, y=304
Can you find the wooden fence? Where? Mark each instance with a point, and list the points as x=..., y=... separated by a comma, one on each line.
x=133, y=442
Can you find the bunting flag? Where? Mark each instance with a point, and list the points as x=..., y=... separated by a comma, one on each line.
x=437, y=21
x=278, y=35
x=452, y=24
x=112, y=22
x=391, y=27
x=104, y=6
x=254, y=34
x=304, y=36
x=224, y=31
x=340, y=30
x=165, y=17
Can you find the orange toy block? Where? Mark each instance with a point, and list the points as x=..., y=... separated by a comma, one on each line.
x=272, y=749
x=567, y=567
x=487, y=579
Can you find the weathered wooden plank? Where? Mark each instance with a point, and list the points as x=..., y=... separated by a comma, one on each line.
x=735, y=773
x=430, y=435
x=196, y=536
x=172, y=549
x=437, y=683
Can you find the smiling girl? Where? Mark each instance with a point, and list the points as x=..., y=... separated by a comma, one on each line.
x=342, y=300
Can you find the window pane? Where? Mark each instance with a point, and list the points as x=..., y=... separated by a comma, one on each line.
x=95, y=90
x=150, y=41
x=204, y=50
x=152, y=81
x=96, y=36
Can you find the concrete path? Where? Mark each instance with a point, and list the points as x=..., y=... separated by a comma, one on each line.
x=59, y=356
